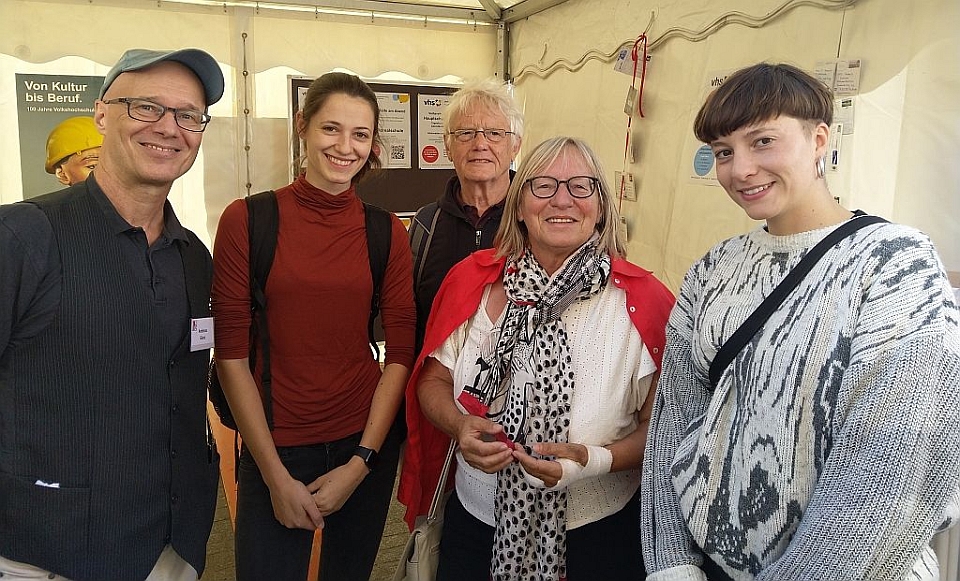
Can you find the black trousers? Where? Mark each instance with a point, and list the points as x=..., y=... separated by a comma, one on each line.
x=265, y=549
x=608, y=549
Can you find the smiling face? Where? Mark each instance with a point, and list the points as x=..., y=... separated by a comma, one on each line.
x=78, y=166
x=768, y=169
x=137, y=153
x=480, y=161
x=337, y=141
x=557, y=226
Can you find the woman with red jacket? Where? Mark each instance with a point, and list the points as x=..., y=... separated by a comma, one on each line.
x=540, y=359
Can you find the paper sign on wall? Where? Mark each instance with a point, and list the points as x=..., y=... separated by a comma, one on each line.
x=836, y=137
x=433, y=154
x=842, y=76
x=843, y=114
x=625, y=63
x=626, y=188
x=395, y=129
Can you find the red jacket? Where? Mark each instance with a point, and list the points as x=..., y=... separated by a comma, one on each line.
x=648, y=305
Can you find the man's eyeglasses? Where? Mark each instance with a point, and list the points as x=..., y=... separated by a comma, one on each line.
x=578, y=186
x=150, y=112
x=492, y=135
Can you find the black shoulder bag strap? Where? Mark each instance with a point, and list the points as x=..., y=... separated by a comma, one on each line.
x=263, y=224
x=769, y=305
x=421, y=236
x=379, y=230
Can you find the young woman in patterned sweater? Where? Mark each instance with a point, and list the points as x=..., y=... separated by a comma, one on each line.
x=830, y=448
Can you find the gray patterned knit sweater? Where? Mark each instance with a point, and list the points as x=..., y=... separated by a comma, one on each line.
x=831, y=447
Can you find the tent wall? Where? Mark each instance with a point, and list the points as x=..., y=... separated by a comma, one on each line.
x=900, y=162
x=247, y=145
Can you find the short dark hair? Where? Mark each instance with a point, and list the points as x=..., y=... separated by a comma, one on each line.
x=346, y=84
x=761, y=92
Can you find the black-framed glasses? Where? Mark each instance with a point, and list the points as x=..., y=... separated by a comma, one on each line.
x=492, y=135
x=151, y=112
x=578, y=186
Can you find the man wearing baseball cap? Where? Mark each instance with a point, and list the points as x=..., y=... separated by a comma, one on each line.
x=107, y=468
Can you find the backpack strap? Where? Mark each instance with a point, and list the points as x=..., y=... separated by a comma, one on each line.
x=263, y=224
x=421, y=235
x=749, y=328
x=379, y=230
x=197, y=274
x=196, y=266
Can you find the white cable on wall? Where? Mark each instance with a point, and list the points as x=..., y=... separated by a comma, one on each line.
x=722, y=21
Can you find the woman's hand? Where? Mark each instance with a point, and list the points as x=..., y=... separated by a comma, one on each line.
x=550, y=471
x=331, y=490
x=479, y=446
x=293, y=506
x=476, y=435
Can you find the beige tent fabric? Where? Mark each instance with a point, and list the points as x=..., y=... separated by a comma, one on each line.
x=899, y=162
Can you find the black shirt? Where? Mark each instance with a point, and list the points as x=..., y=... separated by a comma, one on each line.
x=30, y=277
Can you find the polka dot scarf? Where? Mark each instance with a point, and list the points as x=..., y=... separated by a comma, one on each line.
x=528, y=390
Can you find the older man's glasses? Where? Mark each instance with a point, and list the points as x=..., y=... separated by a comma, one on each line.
x=492, y=135
x=150, y=112
x=547, y=187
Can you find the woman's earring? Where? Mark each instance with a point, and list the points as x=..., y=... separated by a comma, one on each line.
x=821, y=166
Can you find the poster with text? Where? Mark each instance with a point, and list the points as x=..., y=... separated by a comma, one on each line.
x=703, y=170
x=43, y=102
x=395, y=129
x=433, y=154
x=297, y=91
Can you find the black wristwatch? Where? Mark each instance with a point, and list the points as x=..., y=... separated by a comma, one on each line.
x=368, y=456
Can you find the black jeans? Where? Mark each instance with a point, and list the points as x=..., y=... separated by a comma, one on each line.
x=265, y=549
x=607, y=549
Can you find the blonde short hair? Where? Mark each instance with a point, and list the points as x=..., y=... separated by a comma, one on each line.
x=512, y=237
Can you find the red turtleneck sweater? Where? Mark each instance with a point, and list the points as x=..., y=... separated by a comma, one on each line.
x=318, y=294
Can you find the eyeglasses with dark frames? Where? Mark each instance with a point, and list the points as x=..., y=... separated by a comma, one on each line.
x=151, y=112
x=492, y=135
x=546, y=187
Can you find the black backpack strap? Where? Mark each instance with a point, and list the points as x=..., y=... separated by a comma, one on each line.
x=379, y=229
x=197, y=273
x=263, y=223
x=770, y=304
x=421, y=235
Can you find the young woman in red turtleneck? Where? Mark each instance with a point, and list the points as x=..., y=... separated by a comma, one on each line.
x=330, y=399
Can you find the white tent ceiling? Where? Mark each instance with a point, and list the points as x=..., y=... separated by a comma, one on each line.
x=485, y=10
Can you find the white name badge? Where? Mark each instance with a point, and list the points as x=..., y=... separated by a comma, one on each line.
x=201, y=333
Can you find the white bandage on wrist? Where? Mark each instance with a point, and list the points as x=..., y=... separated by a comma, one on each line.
x=599, y=460
x=531, y=479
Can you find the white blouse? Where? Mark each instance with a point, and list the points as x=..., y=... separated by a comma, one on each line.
x=612, y=375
